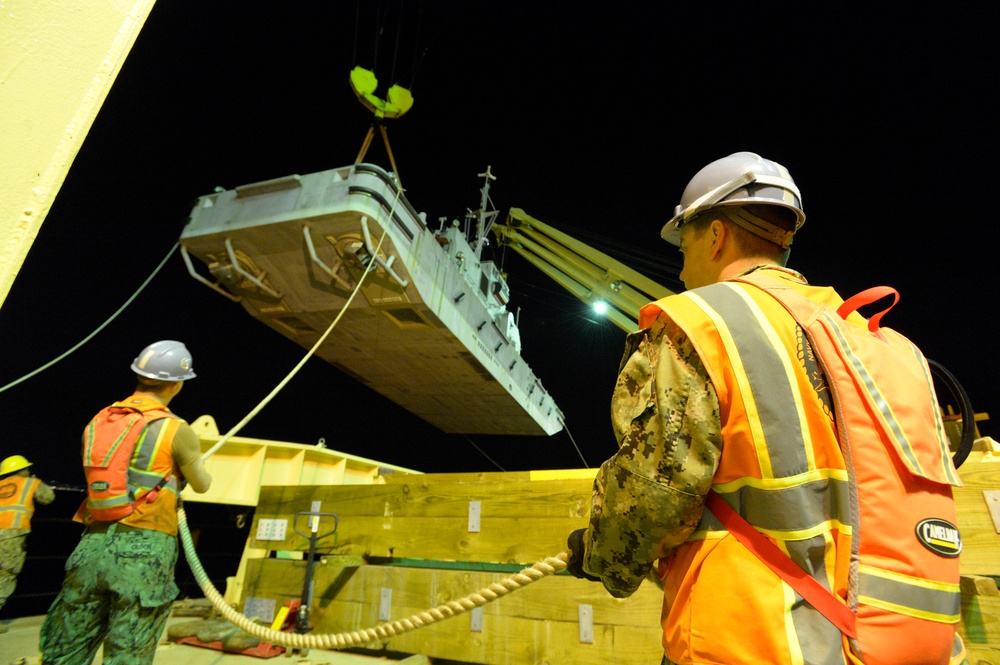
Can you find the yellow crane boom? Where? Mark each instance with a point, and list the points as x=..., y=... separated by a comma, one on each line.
x=589, y=274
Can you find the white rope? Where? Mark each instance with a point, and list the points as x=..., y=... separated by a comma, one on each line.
x=99, y=328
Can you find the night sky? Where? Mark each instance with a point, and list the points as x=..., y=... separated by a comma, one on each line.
x=591, y=119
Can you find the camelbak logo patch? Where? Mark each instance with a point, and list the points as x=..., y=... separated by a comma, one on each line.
x=99, y=486
x=940, y=537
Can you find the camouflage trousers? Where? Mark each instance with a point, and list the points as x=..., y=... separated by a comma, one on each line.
x=12, y=556
x=118, y=590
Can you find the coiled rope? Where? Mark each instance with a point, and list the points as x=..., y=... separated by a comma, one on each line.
x=544, y=568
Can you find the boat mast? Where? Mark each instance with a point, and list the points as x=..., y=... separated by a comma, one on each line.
x=484, y=218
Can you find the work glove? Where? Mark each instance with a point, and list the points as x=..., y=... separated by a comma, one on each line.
x=575, y=564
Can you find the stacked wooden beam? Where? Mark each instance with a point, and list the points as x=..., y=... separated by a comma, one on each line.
x=978, y=504
x=420, y=541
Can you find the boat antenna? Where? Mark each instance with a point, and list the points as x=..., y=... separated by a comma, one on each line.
x=484, y=218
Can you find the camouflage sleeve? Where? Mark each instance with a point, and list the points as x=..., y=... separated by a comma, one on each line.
x=648, y=498
x=44, y=495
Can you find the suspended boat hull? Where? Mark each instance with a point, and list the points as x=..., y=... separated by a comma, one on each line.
x=428, y=329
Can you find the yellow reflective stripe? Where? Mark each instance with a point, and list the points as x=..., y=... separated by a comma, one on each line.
x=111, y=502
x=822, y=529
x=141, y=476
x=794, y=648
x=782, y=483
x=786, y=365
x=742, y=378
x=958, y=654
x=27, y=489
x=911, y=596
x=160, y=438
x=923, y=582
x=882, y=408
x=143, y=480
x=909, y=611
x=812, y=532
x=19, y=515
x=707, y=534
x=792, y=510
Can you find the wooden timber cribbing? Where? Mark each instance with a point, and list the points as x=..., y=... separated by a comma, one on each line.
x=980, y=559
x=538, y=624
x=981, y=541
x=428, y=517
x=980, y=627
x=406, y=545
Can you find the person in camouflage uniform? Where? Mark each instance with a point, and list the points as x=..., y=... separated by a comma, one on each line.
x=119, y=583
x=681, y=436
x=672, y=436
x=19, y=492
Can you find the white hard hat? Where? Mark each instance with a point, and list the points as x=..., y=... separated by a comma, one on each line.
x=740, y=179
x=165, y=360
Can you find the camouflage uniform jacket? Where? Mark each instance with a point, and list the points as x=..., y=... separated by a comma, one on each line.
x=649, y=497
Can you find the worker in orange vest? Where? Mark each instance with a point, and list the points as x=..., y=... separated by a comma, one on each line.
x=722, y=398
x=119, y=584
x=19, y=492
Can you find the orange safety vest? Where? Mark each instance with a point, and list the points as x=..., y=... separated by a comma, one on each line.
x=782, y=468
x=16, y=504
x=151, y=460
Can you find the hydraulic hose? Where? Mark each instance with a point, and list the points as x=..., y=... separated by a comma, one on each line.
x=965, y=405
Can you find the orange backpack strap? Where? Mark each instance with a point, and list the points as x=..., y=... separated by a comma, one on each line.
x=108, y=444
x=821, y=598
x=867, y=297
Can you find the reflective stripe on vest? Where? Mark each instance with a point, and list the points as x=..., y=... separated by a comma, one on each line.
x=781, y=507
x=793, y=499
x=888, y=418
x=778, y=484
x=16, y=505
x=143, y=472
x=153, y=458
x=912, y=596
